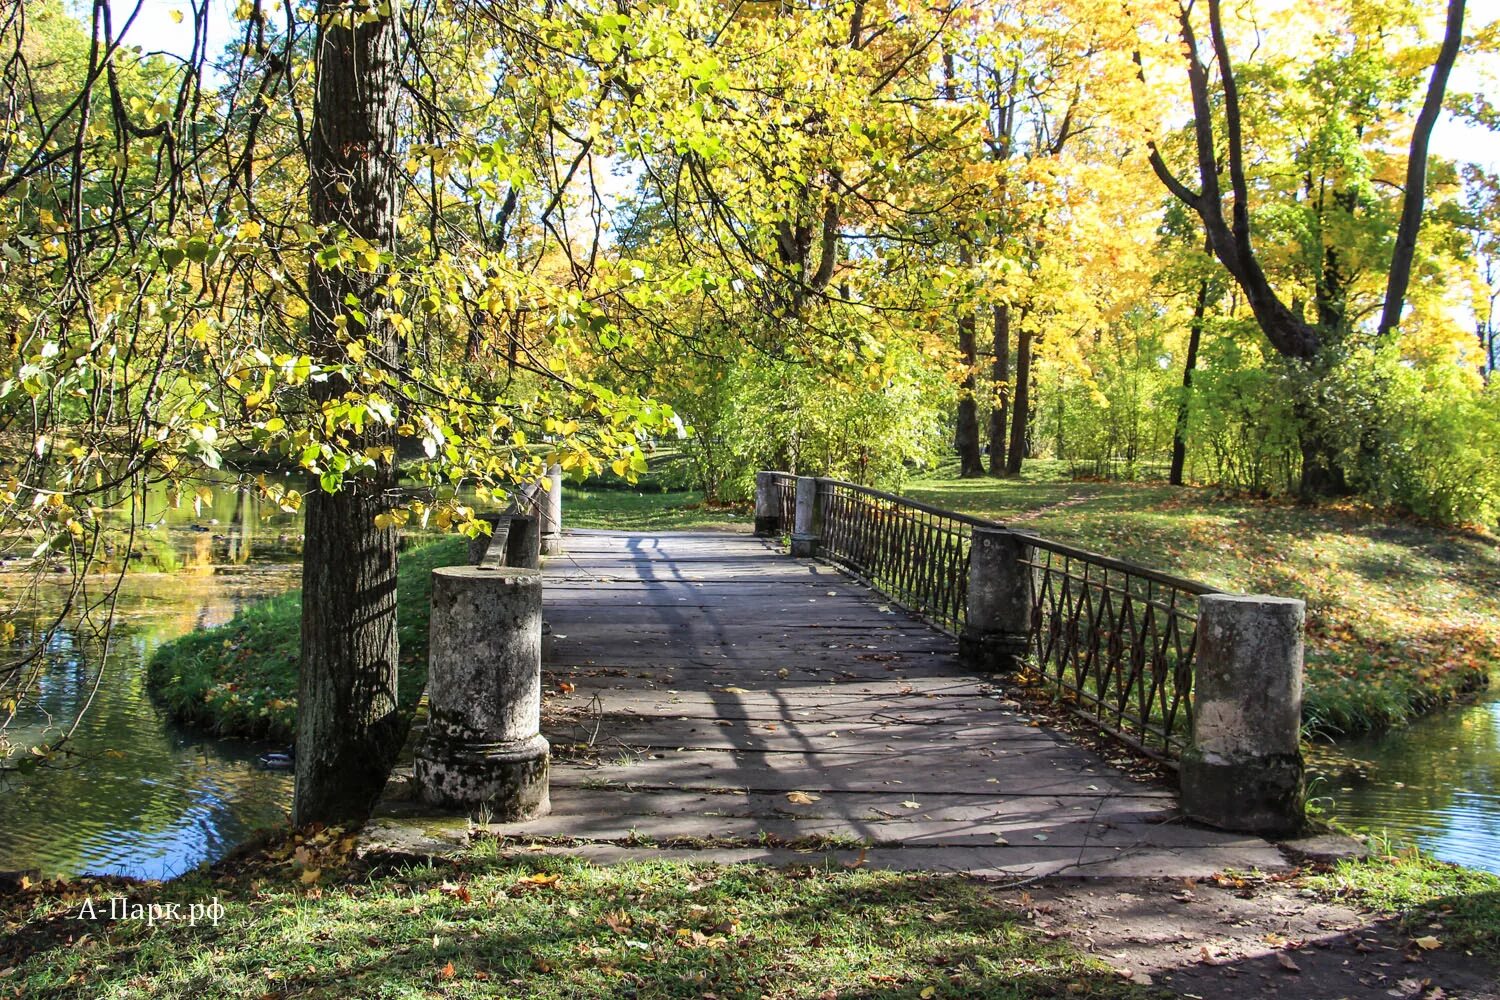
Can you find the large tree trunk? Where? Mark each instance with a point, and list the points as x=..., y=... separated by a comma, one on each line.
x=967, y=435
x=1020, y=404
x=348, y=728
x=1179, y=432
x=1000, y=373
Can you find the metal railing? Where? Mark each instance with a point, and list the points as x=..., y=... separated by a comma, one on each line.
x=784, y=493
x=913, y=553
x=1114, y=642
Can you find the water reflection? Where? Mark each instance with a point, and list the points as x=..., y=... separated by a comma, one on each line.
x=139, y=796
x=1435, y=783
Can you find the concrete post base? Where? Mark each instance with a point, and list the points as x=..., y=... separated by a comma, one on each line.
x=483, y=747
x=508, y=779
x=992, y=652
x=805, y=546
x=1245, y=794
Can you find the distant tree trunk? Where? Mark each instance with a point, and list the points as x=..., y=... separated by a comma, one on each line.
x=999, y=408
x=348, y=728
x=1416, y=170
x=966, y=438
x=1179, y=433
x=1020, y=404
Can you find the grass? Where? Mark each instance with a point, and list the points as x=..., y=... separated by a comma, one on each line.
x=240, y=679
x=1460, y=907
x=1401, y=615
x=648, y=509
x=547, y=927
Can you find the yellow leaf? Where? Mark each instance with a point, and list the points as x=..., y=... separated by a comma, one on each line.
x=1427, y=943
x=176, y=15
x=311, y=875
x=928, y=992
x=539, y=878
x=802, y=798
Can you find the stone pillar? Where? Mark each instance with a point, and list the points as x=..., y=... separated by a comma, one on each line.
x=1243, y=771
x=523, y=542
x=808, y=527
x=513, y=541
x=767, y=509
x=483, y=746
x=550, y=511
x=997, y=621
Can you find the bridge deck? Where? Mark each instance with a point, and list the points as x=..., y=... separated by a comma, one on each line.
x=708, y=694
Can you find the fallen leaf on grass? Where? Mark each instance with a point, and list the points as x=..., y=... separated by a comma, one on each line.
x=539, y=879
x=1427, y=943
x=446, y=972
x=311, y=875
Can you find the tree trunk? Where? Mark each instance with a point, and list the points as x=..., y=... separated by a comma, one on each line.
x=1020, y=404
x=348, y=728
x=999, y=407
x=967, y=435
x=1179, y=433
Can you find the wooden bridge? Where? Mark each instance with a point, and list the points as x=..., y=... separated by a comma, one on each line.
x=706, y=695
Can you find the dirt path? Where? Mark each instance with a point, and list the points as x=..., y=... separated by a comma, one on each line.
x=1238, y=940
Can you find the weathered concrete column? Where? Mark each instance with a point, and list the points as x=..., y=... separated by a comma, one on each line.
x=807, y=528
x=513, y=541
x=523, y=542
x=997, y=620
x=483, y=746
x=1244, y=769
x=550, y=512
x=767, y=509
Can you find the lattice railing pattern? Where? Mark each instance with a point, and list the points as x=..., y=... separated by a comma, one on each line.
x=784, y=488
x=914, y=554
x=1115, y=643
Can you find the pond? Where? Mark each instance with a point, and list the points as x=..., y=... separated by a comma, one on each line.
x=140, y=796
x=1434, y=783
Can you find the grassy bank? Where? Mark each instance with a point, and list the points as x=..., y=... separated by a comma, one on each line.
x=240, y=679
x=1402, y=616
x=553, y=927
x=1458, y=907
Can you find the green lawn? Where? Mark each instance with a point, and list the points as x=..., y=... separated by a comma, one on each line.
x=649, y=509
x=550, y=927
x=240, y=679
x=1401, y=615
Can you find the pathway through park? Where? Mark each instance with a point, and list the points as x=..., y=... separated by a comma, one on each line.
x=709, y=695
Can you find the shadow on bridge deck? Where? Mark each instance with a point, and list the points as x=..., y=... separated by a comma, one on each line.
x=709, y=696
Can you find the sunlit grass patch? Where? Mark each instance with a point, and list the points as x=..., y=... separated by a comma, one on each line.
x=556, y=927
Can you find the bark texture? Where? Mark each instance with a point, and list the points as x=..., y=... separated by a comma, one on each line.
x=348, y=728
x=1179, y=431
x=1000, y=373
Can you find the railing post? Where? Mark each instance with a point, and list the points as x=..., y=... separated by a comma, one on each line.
x=808, y=525
x=767, y=509
x=997, y=619
x=513, y=541
x=550, y=511
x=1243, y=771
x=483, y=745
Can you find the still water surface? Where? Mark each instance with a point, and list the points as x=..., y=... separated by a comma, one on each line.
x=140, y=796
x=1435, y=783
